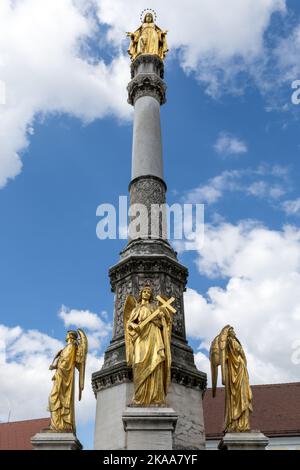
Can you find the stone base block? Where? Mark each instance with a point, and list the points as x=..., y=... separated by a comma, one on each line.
x=187, y=402
x=252, y=440
x=150, y=428
x=55, y=441
x=109, y=429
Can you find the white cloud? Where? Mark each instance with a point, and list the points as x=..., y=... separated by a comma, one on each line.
x=25, y=378
x=261, y=298
x=263, y=189
x=264, y=182
x=47, y=68
x=81, y=318
x=208, y=193
x=203, y=364
x=292, y=207
x=227, y=145
x=97, y=328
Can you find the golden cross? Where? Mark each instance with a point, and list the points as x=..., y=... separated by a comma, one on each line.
x=166, y=303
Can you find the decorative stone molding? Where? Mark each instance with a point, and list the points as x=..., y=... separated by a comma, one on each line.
x=152, y=265
x=189, y=378
x=147, y=177
x=147, y=84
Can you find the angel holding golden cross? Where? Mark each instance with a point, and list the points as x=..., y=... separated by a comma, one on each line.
x=61, y=400
x=148, y=327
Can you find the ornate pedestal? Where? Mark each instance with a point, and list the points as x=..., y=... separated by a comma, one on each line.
x=148, y=260
x=55, y=441
x=253, y=440
x=149, y=428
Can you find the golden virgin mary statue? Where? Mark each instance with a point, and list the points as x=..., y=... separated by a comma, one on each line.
x=61, y=400
x=148, y=327
x=148, y=39
x=227, y=351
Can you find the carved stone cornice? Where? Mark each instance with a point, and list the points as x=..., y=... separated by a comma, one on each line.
x=147, y=84
x=107, y=378
x=147, y=264
x=146, y=247
x=189, y=378
x=121, y=373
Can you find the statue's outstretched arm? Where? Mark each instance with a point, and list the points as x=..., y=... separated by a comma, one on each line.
x=53, y=365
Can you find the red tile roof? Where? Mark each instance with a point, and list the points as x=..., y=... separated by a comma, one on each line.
x=17, y=435
x=276, y=410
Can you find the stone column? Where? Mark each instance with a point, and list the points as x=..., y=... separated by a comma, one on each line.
x=148, y=260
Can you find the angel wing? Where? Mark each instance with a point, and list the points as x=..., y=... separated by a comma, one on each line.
x=130, y=304
x=82, y=350
x=214, y=357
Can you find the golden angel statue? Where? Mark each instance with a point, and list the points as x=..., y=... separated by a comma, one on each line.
x=226, y=351
x=61, y=400
x=148, y=327
x=148, y=39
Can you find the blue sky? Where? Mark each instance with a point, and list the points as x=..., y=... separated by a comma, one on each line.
x=231, y=141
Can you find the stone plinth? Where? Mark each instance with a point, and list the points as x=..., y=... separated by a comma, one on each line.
x=253, y=440
x=55, y=441
x=150, y=428
x=111, y=403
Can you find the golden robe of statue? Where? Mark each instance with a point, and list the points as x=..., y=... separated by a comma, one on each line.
x=227, y=351
x=148, y=39
x=148, y=335
x=61, y=400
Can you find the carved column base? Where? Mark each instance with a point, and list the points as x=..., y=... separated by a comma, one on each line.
x=149, y=428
